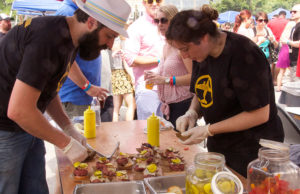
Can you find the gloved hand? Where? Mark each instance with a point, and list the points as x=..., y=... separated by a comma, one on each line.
x=75, y=151
x=186, y=121
x=71, y=131
x=196, y=134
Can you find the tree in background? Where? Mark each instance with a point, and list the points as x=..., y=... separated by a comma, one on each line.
x=253, y=5
x=5, y=6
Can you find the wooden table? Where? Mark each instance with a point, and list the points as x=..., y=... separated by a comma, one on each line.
x=131, y=135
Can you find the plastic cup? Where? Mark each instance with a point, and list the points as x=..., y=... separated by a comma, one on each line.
x=149, y=86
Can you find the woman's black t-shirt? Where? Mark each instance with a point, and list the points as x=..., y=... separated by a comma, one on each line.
x=39, y=52
x=236, y=81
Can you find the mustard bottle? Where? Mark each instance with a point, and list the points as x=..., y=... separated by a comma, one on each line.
x=89, y=123
x=153, y=130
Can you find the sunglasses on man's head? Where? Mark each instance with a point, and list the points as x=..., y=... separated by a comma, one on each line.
x=161, y=20
x=293, y=12
x=151, y=1
x=263, y=20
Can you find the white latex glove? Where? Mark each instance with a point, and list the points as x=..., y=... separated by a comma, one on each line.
x=197, y=135
x=186, y=121
x=75, y=151
x=71, y=131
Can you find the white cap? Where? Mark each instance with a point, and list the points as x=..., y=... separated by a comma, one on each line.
x=3, y=16
x=112, y=13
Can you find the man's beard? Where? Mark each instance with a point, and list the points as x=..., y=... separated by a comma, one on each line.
x=89, y=48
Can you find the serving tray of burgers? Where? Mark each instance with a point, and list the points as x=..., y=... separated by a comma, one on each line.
x=148, y=161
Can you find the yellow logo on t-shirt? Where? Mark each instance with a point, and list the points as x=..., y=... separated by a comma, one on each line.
x=203, y=90
x=63, y=78
x=27, y=22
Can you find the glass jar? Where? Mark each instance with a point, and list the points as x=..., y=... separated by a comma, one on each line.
x=273, y=172
x=199, y=176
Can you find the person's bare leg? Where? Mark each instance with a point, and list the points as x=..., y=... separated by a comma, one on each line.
x=117, y=105
x=130, y=101
x=279, y=78
x=276, y=72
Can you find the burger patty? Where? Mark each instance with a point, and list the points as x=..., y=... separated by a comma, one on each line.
x=100, y=166
x=80, y=172
x=122, y=161
x=177, y=167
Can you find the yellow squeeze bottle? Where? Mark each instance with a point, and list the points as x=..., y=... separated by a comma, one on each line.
x=89, y=123
x=153, y=130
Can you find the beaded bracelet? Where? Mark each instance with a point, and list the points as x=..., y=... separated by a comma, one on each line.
x=171, y=81
x=174, y=80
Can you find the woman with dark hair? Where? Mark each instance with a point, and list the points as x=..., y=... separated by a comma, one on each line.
x=263, y=34
x=243, y=22
x=233, y=89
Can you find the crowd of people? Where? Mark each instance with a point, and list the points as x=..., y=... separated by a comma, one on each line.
x=278, y=38
x=178, y=65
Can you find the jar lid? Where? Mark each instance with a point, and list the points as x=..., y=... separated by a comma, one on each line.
x=209, y=159
x=274, y=145
x=226, y=183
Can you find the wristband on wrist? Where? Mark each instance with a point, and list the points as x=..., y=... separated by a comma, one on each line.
x=207, y=129
x=158, y=61
x=171, y=81
x=88, y=87
x=68, y=147
x=174, y=80
x=288, y=42
x=85, y=85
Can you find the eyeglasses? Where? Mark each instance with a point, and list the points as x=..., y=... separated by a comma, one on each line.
x=161, y=20
x=293, y=12
x=151, y=1
x=263, y=20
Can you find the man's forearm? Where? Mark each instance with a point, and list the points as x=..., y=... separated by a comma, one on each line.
x=294, y=43
x=76, y=75
x=30, y=118
x=57, y=113
x=145, y=61
x=37, y=125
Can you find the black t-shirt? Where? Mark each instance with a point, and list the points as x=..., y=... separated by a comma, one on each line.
x=38, y=52
x=1, y=35
x=295, y=51
x=236, y=81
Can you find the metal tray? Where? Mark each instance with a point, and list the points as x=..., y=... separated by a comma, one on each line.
x=134, y=187
x=158, y=185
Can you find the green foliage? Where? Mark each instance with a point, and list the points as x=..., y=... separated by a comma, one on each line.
x=5, y=6
x=253, y=5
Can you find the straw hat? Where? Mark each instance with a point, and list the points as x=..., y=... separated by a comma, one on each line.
x=112, y=13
